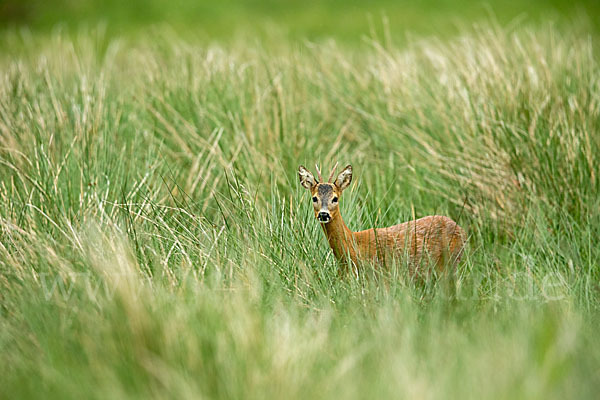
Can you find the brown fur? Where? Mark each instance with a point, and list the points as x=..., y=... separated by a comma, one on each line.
x=434, y=238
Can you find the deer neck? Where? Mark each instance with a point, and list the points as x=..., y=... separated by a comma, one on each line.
x=340, y=238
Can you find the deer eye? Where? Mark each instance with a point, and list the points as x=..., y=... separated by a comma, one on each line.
x=334, y=200
x=315, y=199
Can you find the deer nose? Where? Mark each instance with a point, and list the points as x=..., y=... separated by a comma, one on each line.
x=324, y=216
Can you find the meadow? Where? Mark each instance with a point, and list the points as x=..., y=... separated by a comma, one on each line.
x=155, y=241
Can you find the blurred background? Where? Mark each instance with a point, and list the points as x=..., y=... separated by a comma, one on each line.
x=344, y=20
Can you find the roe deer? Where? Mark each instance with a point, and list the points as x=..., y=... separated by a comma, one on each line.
x=437, y=237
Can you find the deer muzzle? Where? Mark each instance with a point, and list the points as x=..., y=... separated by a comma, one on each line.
x=324, y=216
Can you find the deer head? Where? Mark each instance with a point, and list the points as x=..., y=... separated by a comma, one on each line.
x=325, y=195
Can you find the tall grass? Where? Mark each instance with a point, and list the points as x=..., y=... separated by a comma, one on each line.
x=155, y=241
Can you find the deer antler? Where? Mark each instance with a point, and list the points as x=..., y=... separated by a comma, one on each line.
x=319, y=172
x=332, y=173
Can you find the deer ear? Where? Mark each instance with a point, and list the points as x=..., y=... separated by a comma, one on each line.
x=306, y=178
x=344, y=178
